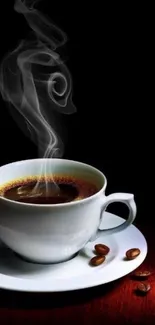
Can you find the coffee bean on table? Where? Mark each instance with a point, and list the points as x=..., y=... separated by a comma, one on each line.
x=143, y=287
x=97, y=260
x=132, y=253
x=102, y=249
x=142, y=274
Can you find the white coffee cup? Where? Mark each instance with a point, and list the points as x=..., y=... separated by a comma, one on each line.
x=55, y=232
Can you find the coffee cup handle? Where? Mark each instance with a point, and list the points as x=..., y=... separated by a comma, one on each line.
x=126, y=198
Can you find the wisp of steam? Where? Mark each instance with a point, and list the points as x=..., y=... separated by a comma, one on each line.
x=35, y=81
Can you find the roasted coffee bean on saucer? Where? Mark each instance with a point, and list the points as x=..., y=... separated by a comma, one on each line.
x=97, y=260
x=132, y=253
x=101, y=249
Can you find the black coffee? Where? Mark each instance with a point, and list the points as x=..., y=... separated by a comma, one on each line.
x=60, y=190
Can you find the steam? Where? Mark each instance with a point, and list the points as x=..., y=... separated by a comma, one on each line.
x=34, y=79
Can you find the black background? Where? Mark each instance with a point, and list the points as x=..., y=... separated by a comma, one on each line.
x=109, y=56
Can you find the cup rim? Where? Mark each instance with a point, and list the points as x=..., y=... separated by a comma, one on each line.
x=65, y=204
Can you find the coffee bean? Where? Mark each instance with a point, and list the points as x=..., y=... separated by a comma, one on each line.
x=102, y=249
x=132, y=253
x=143, y=287
x=142, y=274
x=97, y=260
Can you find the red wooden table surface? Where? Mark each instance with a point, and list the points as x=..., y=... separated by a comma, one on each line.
x=114, y=303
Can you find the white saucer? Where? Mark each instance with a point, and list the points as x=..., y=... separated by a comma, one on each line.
x=16, y=274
